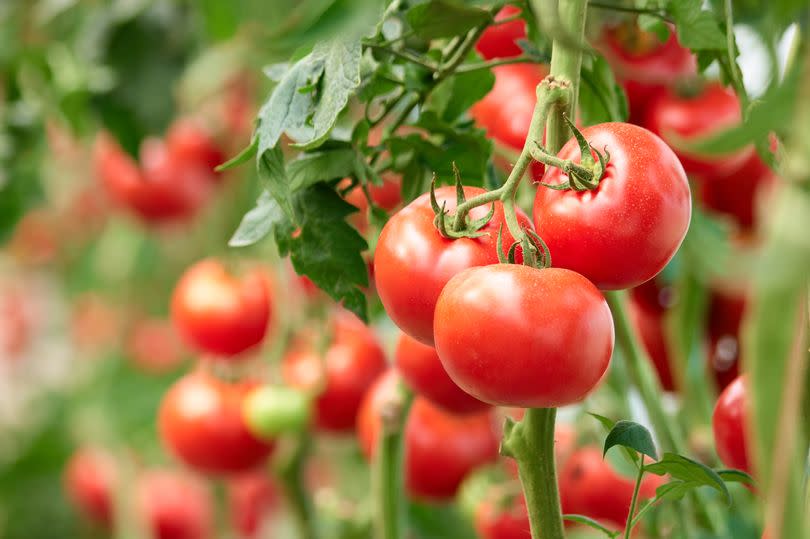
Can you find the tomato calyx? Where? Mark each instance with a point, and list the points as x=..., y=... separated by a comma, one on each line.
x=582, y=176
x=462, y=226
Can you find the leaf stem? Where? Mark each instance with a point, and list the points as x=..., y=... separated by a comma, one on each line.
x=404, y=56
x=469, y=68
x=731, y=48
x=628, y=527
x=628, y=9
x=290, y=475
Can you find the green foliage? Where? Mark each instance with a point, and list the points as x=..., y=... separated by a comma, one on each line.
x=689, y=472
x=631, y=435
x=445, y=18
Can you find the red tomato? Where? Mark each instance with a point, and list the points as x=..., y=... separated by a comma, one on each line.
x=726, y=313
x=730, y=425
x=351, y=363
x=251, y=498
x=17, y=322
x=711, y=111
x=513, y=335
x=512, y=522
x=440, y=448
x=154, y=346
x=422, y=370
x=175, y=505
x=649, y=325
x=189, y=142
x=624, y=232
x=90, y=477
x=590, y=487
x=387, y=196
x=736, y=194
x=413, y=261
x=500, y=40
x=219, y=314
x=200, y=420
x=644, y=65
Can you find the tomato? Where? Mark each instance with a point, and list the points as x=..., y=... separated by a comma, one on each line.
x=511, y=522
x=200, y=420
x=175, y=505
x=644, y=65
x=95, y=323
x=218, y=313
x=413, y=261
x=189, y=142
x=589, y=486
x=513, y=335
x=726, y=313
x=154, y=346
x=17, y=322
x=737, y=193
x=251, y=497
x=350, y=364
x=440, y=448
x=387, y=196
x=624, y=232
x=36, y=237
x=89, y=480
x=164, y=189
x=730, y=425
x=422, y=370
x=500, y=40
x=648, y=321
x=682, y=118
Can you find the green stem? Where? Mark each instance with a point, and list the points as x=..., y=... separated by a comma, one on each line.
x=628, y=527
x=404, y=56
x=531, y=443
x=469, y=68
x=733, y=68
x=628, y=9
x=566, y=63
x=290, y=475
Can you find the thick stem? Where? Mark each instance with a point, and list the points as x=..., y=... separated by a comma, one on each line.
x=628, y=527
x=531, y=443
x=290, y=475
x=565, y=65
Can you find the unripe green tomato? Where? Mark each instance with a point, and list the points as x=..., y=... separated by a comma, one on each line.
x=270, y=411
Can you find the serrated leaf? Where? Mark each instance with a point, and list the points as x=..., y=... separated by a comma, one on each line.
x=690, y=471
x=697, y=29
x=631, y=435
x=258, y=222
x=588, y=521
x=736, y=476
x=272, y=173
x=326, y=248
x=445, y=18
x=312, y=168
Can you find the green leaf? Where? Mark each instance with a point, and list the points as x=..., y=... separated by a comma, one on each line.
x=601, y=98
x=631, y=435
x=321, y=166
x=697, y=29
x=605, y=421
x=272, y=173
x=736, y=476
x=445, y=18
x=327, y=249
x=258, y=222
x=588, y=521
x=690, y=471
x=464, y=90
x=674, y=490
x=242, y=157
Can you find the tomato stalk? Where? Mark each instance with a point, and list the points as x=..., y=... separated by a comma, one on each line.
x=290, y=476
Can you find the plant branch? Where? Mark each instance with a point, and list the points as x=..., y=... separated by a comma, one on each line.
x=731, y=48
x=629, y=9
x=469, y=68
x=290, y=475
x=404, y=56
x=628, y=527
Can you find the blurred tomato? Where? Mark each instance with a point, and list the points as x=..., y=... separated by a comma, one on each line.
x=387, y=196
x=648, y=307
x=154, y=346
x=730, y=425
x=251, y=497
x=726, y=311
x=500, y=39
x=95, y=323
x=190, y=142
x=508, y=522
x=90, y=476
x=35, y=239
x=175, y=505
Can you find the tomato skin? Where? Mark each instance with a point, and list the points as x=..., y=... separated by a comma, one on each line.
x=500, y=40
x=547, y=340
x=89, y=481
x=511, y=522
x=219, y=314
x=729, y=424
x=422, y=370
x=590, y=487
x=411, y=250
x=645, y=66
x=352, y=362
x=175, y=505
x=440, y=448
x=726, y=311
x=648, y=321
x=190, y=142
x=711, y=111
x=624, y=232
x=200, y=421
x=250, y=498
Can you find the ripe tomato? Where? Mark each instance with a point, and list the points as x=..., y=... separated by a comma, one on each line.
x=500, y=40
x=624, y=232
x=440, y=448
x=422, y=370
x=154, y=346
x=644, y=65
x=730, y=425
x=511, y=522
x=175, y=505
x=219, y=314
x=413, y=261
x=513, y=335
x=737, y=193
x=251, y=497
x=726, y=313
x=710, y=111
x=189, y=142
x=387, y=196
x=648, y=320
x=351, y=363
x=200, y=420
x=590, y=487
x=89, y=480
